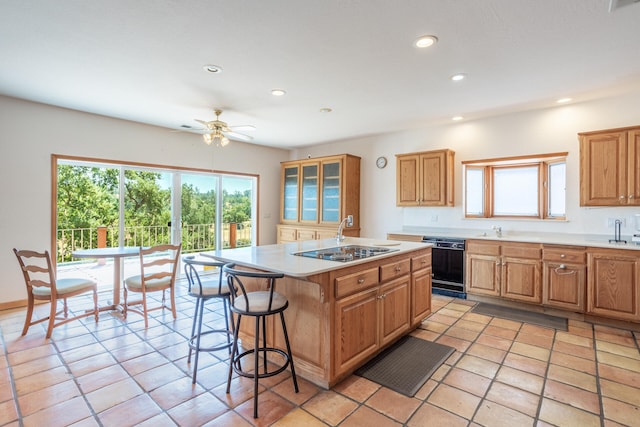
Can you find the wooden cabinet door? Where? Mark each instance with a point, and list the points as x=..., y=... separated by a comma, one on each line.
x=407, y=180
x=603, y=169
x=483, y=274
x=612, y=285
x=563, y=286
x=395, y=310
x=420, y=295
x=432, y=179
x=356, y=329
x=633, y=181
x=521, y=279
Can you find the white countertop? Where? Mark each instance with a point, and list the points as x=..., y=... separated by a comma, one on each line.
x=280, y=259
x=595, y=240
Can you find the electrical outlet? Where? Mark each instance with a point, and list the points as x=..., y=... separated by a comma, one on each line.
x=349, y=221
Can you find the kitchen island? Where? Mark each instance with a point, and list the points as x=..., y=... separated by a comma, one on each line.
x=341, y=313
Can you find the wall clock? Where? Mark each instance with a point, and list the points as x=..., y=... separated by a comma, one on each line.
x=381, y=162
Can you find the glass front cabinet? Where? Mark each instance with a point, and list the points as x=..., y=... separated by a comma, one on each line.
x=316, y=194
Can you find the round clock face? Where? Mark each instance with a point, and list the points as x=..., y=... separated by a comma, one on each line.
x=381, y=162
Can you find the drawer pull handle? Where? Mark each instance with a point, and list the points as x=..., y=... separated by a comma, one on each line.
x=361, y=281
x=398, y=269
x=562, y=270
x=562, y=256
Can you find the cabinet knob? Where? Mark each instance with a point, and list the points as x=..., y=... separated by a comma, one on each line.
x=398, y=269
x=621, y=197
x=630, y=196
x=361, y=281
x=563, y=256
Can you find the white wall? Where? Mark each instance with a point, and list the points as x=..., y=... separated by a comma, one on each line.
x=31, y=132
x=532, y=132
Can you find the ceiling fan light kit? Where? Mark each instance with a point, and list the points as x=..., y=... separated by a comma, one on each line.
x=218, y=132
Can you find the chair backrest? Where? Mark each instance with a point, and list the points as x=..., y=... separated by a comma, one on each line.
x=159, y=262
x=192, y=275
x=37, y=270
x=239, y=285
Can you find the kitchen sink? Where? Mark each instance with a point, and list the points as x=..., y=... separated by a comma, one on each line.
x=344, y=253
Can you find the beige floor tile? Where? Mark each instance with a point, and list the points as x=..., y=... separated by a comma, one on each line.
x=574, y=339
x=574, y=396
x=468, y=381
x=454, y=400
x=619, y=375
x=494, y=342
x=430, y=415
x=514, y=398
x=36, y=365
x=618, y=349
x=458, y=344
x=624, y=393
x=131, y=412
x=41, y=380
x=470, y=325
x=477, y=318
x=229, y=419
x=501, y=332
x=573, y=362
x=619, y=361
x=431, y=325
x=532, y=351
x=101, y=378
x=462, y=333
x=64, y=414
x=621, y=412
x=47, y=397
x=561, y=414
x=442, y=318
x=496, y=415
x=306, y=390
x=299, y=417
x=357, y=388
x=486, y=352
x=479, y=366
x=520, y=379
x=206, y=407
x=506, y=324
x=575, y=350
x=572, y=377
x=330, y=407
x=426, y=389
x=113, y=394
x=8, y=413
x=393, y=404
x=534, y=339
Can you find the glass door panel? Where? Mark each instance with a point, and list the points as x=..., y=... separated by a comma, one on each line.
x=290, y=194
x=309, y=209
x=198, y=212
x=238, y=211
x=331, y=192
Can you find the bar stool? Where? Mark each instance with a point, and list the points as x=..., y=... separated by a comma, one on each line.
x=203, y=290
x=258, y=304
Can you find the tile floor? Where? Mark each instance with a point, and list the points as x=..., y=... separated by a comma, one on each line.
x=503, y=373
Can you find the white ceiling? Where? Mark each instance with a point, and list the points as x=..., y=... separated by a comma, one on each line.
x=142, y=60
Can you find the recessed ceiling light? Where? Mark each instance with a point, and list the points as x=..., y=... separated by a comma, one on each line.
x=563, y=100
x=458, y=77
x=326, y=110
x=457, y=118
x=426, y=41
x=278, y=92
x=215, y=69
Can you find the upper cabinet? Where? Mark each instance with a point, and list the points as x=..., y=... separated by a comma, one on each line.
x=425, y=178
x=610, y=167
x=320, y=192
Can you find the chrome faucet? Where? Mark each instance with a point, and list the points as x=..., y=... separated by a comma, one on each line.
x=498, y=230
x=348, y=221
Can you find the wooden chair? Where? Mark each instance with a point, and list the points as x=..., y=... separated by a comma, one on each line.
x=158, y=267
x=42, y=285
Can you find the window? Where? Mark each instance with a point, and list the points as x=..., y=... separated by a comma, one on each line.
x=109, y=204
x=522, y=187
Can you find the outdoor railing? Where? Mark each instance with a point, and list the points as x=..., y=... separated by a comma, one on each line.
x=195, y=237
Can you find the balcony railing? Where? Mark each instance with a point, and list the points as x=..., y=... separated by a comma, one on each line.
x=195, y=237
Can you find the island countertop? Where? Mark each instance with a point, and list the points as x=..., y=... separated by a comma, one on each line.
x=280, y=258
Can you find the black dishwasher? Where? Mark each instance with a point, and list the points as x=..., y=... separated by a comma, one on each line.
x=447, y=265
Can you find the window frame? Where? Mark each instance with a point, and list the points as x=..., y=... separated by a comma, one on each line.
x=488, y=166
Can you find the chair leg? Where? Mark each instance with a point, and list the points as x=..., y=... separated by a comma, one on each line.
x=255, y=367
x=197, y=349
x=173, y=301
x=95, y=305
x=286, y=341
x=264, y=343
x=193, y=327
x=125, y=305
x=27, y=320
x=144, y=308
x=52, y=317
x=234, y=351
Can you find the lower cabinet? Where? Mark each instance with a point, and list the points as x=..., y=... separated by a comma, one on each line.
x=508, y=270
x=369, y=320
x=421, y=276
x=564, y=277
x=613, y=284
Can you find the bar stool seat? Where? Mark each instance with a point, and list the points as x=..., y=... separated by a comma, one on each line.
x=204, y=289
x=258, y=304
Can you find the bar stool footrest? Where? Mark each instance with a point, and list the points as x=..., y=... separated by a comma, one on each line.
x=226, y=345
x=238, y=369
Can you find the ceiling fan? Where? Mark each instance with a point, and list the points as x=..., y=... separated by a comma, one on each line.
x=218, y=132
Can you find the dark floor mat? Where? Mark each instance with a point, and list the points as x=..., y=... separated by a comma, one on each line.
x=406, y=365
x=539, y=319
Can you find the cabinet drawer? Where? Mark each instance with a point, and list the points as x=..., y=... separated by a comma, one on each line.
x=306, y=234
x=561, y=255
x=421, y=261
x=483, y=247
x=287, y=234
x=395, y=269
x=521, y=251
x=352, y=283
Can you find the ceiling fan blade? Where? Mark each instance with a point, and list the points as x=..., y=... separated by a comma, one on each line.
x=202, y=122
x=243, y=127
x=237, y=135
